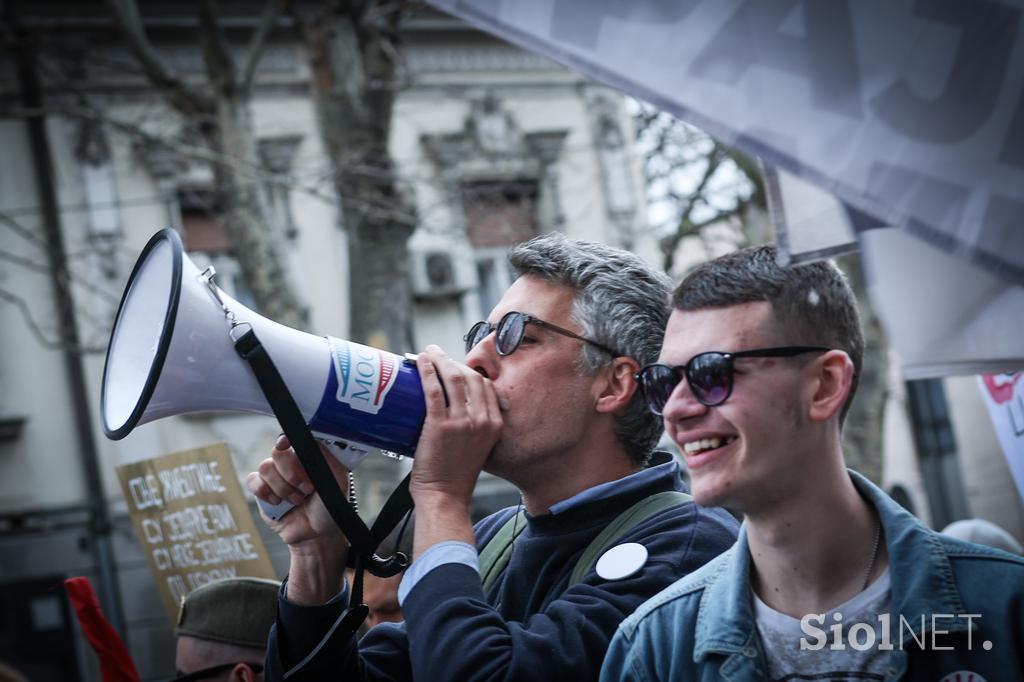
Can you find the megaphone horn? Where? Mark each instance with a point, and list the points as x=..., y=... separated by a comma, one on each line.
x=171, y=352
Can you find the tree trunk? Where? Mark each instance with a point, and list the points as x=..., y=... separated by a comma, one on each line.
x=250, y=222
x=221, y=111
x=353, y=74
x=863, y=433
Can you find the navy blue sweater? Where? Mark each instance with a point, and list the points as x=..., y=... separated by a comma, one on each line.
x=532, y=625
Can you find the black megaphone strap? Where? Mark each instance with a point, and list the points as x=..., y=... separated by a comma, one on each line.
x=363, y=541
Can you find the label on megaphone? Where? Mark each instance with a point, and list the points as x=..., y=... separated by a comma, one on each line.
x=365, y=375
x=372, y=397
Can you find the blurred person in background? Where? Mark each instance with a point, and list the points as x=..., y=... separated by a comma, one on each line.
x=983, y=532
x=222, y=630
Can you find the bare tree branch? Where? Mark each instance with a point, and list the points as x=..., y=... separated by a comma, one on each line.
x=371, y=204
x=38, y=332
x=84, y=282
x=126, y=14
x=271, y=11
x=220, y=67
x=749, y=166
x=692, y=178
x=22, y=231
x=685, y=227
x=26, y=263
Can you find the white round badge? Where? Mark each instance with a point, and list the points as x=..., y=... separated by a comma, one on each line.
x=963, y=676
x=622, y=561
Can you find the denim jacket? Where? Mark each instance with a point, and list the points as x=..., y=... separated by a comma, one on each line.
x=702, y=627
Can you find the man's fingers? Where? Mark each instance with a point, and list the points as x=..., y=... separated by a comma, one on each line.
x=258, y=487
x=290, y=469
x=433, y=393
x=285, y=477
x=277, y=485
x=454, y=383
x=484, y=405
x=453, y=380
x=491, y=401
x=474, y=384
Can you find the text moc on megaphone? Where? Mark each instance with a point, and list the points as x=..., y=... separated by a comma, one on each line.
x=171, y=352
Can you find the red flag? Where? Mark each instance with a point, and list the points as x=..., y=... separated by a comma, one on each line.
x=115, y=663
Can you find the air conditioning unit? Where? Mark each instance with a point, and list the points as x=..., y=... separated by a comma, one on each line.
x=438, y=274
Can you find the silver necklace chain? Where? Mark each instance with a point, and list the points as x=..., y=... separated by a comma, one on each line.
x=874, y=555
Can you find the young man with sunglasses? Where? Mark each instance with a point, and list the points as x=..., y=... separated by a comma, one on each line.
x=547, y=399
x=829, y=579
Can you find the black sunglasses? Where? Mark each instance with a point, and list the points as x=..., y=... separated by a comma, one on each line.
x=207, y=673
x=709, y=375
x=510, y=330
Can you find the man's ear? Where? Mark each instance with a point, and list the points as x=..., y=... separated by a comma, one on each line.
x=833, y=379
x=242, y=673
x=618, y=385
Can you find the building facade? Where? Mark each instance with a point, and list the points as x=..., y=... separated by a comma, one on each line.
x=496, y=144
x=493, y=145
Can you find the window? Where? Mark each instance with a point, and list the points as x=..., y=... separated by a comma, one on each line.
x=208, y=243
x=500, y=213
x=937, y=451
x=101, y=198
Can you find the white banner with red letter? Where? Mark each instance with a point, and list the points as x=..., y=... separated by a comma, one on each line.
x=1004, y=396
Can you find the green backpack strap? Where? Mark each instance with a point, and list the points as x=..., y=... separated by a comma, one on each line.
x=622, y=524
x=495, y=555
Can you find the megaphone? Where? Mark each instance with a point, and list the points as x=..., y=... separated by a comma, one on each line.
x=171, y=352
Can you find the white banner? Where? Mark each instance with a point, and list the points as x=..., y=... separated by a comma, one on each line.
x=909, y=110
x=1004, y=395
x=942, y=314
x=808, y=222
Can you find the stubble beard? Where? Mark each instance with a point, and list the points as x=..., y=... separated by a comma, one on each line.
x=502, y=460
x=519, y=462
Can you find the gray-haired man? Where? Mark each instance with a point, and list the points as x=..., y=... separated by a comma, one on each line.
x=547, y=400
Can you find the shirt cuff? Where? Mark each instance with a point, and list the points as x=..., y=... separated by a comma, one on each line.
x=341, y=597
x=448, y=552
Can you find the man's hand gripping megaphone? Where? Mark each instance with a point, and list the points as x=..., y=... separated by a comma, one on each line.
x=463, y=423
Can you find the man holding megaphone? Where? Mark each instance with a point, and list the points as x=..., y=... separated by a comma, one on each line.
x=547, y=400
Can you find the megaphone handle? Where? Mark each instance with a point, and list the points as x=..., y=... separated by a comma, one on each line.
x=275, y=512
x=349, y=456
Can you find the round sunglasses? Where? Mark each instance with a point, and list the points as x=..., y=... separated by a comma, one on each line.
x=510, y=330
x=710, y=375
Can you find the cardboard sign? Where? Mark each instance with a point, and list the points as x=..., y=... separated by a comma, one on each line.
x=193, y=521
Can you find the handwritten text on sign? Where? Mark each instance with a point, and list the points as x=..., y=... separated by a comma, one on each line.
x=193, y=521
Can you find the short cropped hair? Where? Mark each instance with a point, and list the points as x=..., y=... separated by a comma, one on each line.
x=621, y=302
x=812, y=302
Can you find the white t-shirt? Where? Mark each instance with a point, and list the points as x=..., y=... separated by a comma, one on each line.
x=822, y=658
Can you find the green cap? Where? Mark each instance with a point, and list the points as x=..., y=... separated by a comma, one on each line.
x=236, y=611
